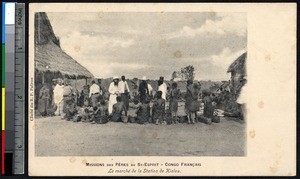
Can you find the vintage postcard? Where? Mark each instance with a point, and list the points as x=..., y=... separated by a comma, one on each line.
x=162, y=89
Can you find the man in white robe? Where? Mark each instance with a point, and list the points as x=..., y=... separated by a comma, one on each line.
x=163, y=88
x=58, y=93
x=114, y=91
x=124, y=91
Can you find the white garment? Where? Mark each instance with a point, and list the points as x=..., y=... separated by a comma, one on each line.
x=150, y=88
x=58, y=95
x=113, y=93
x=123, y=86
x=58, y=92
x=60, y=106
x=94, y=89
x=163, y=89
x=242, y=96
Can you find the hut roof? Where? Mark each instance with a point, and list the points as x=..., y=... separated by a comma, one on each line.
x=48, y=54
x=238, y=66
x=50, y=57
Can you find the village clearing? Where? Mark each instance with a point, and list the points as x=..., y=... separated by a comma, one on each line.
x=56, y=137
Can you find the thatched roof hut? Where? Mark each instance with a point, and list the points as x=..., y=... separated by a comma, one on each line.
x=49, y=57
x=238, y=73
x=238, y=66
x=229, y=90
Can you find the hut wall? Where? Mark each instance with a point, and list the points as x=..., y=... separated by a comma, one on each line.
x=237, y=82
x=49, y=79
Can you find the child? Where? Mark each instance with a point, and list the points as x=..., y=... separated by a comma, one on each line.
x=143, y=112
x=118, y=110
x=158, y=109
x=100, y=115
x=173, y=104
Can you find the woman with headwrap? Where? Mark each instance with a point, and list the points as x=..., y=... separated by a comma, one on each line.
x=143, y=90
x=44, y=100
x=191, y=101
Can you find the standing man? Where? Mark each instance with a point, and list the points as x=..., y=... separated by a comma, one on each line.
x=113, y=93
x=94, y=93
x=162, y=87
x=150, y=89
x=101, y=90
x=58, y=93
x=124, y=91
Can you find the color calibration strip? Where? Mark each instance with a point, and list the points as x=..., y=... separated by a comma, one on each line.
x=8, y=86
x=3, y=93
x=3, y=90
x=13, y=88
x=19, y=90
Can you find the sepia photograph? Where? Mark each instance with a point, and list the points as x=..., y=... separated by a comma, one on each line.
x=140, y=84
x=154, y=89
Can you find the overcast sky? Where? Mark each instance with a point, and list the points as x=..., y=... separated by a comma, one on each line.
x=152, y=44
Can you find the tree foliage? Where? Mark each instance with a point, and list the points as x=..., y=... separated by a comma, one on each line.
x=188, y=72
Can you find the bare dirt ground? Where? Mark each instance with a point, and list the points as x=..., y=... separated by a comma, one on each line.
x=56, y=137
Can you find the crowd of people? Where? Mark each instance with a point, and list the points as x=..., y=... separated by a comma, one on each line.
x=96, y=107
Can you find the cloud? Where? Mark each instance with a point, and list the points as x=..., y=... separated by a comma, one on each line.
x=76, y=17
x=213, y=67
x=90, y=51
x=220, y=63
x=81, y=46
x=225, y=23
x=226, y=57
x=127, y=44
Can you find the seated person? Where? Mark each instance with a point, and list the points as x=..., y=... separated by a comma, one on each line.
x=208, y=104
x=100, y=115
x=158, y=109
x=117, y=112
x=143, y=112
x=132, y=114
x=83, y=113
x=70, y=109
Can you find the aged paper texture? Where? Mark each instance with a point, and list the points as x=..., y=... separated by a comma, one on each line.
x=162, y=89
